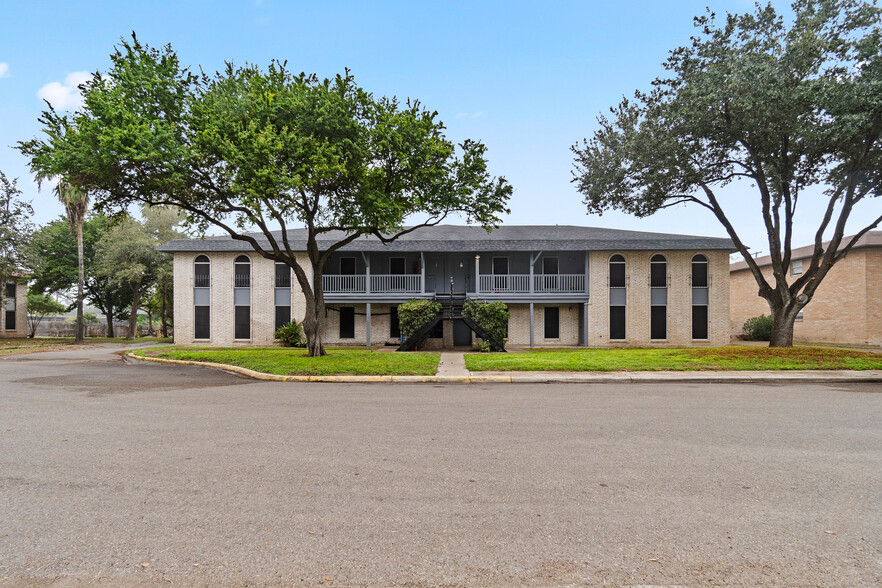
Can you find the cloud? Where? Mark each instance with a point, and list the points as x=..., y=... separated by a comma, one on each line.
x=469, y=114
x=65, y=95
x=4, y=69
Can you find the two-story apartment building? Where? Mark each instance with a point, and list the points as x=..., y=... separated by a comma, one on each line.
x=564, y=286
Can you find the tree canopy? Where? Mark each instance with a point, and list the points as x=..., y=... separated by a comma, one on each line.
x=15, y=228
x=256, y=151
x=785, y=109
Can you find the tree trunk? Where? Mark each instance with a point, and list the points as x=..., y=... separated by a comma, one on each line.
x=133, y=318
x=81, y=280
x=149, y=321
x=312, y=328
x=163, y=314
x=782, y=326
x=109, y=317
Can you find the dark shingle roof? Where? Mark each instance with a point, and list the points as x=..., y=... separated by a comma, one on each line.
x=473, y=239
x=868, y=239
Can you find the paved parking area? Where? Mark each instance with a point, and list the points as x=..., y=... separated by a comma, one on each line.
x=212, y=479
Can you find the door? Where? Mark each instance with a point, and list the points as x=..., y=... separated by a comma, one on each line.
x=462, y=334
x=549, y=274
x=500, y=274
x=459, y=271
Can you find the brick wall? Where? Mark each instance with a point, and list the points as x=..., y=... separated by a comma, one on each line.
x=679, y=308
x=844, y=309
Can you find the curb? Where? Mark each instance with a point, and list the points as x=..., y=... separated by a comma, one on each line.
x=730, y=377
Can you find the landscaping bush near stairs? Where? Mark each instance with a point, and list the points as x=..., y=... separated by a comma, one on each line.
x=758, y=328
x=490, y=316
x=413, y=314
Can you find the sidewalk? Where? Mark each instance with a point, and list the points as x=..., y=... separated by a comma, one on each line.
x=452, y=369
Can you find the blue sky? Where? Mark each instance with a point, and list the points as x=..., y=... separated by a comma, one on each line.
x=526, y=78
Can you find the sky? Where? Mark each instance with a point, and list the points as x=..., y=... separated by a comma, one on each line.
x=528, y=79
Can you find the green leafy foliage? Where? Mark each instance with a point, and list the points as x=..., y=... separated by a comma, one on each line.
x=791, y=113
x=267, y=149
x=758, y=328
x=415, y=313
x=291, y=335
x=40, y=305
x=490, y=316
x=15, y=228
x=482, y=346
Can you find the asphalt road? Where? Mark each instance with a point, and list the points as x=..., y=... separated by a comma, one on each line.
x=212, y=479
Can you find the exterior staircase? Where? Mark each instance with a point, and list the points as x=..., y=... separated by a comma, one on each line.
x=451, y=309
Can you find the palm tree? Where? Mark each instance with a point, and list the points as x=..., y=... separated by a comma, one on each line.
x=76, y=204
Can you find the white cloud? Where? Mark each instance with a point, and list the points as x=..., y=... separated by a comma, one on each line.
x=4, y=69
x=65, y=95
x=469, y=114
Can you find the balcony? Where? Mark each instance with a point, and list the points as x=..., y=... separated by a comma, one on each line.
x=490, y=285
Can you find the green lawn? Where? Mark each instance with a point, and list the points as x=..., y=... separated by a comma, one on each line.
x=286, y=361
x=24, y=345
x=678, y=359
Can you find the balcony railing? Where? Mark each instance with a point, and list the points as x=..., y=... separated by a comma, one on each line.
x=242, y=280
x=202, y=281
x=395, y=283
x=559, y=283
x=343, y=284
x=520, y=283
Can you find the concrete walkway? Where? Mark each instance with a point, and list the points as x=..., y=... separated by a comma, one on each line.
x=452, y=365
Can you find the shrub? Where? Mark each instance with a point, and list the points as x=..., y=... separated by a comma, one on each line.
x=482, y=346
x=413, y=314
x=490, y=316
x=758, y=328
x=291, y=335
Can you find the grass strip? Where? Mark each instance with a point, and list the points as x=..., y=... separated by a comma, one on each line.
x=677, y=359
x=295, y=362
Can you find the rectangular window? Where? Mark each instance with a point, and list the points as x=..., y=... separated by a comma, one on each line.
x=10, y=306
x=617, y=275
x=283, y=315
x=550, y=266
x=500, y=266
x=396, y=266
x=658, y=275
x=242, y=329
x=202, y=275
x=283, y=275
x=800, y=315
x=616, y=322
x=658, y=322
x=347, y=322
x=699, y=322
x=394, y=325
x=347, y=266
x=699, y=275
x=203, y=323
x=796, y=267
x=552, y=322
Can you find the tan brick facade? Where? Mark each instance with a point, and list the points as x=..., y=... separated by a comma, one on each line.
x=679, y=308
x=21, y=312
x=845, y=308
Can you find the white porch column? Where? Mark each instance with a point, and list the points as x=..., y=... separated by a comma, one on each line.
x=422, y=273
x=531, y=324
x=367, y=272
x=367, y=320
x=477, y=275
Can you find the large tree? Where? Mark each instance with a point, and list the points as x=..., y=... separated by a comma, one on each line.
x=53, y=264
x=15, y=229
x=793, y=111
x=258, y=151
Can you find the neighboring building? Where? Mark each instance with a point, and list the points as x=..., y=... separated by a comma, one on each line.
x=564, y=286
x=846, y=307
x=14, y=318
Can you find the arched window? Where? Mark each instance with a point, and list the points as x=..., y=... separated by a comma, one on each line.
x=700, y=297
x=618, y=296
x=242, y=297
x=202, y=298
x=658, y=300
